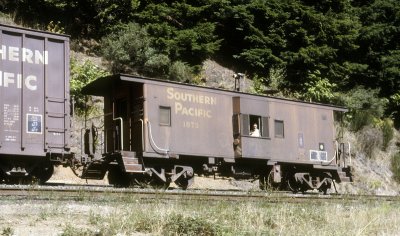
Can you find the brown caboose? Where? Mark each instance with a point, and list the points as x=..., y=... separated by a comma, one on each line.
x=157, y=132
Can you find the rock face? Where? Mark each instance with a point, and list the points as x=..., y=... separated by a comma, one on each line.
x=217, y=76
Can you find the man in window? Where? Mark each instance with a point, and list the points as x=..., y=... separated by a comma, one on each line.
x=255, y=132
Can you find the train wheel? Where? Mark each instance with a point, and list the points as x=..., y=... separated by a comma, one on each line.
x=184, y=182
x=146, y=181
x=292, y=184
x=157, y=183
x=118, y=178
x=46, y=174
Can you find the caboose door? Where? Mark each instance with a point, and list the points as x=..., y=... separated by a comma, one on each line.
x=128, y=112
x=136, y=118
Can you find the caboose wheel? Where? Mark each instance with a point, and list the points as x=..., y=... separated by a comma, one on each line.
x=117, y=178
x=293, y=185
x=184, y=183
x=157, y=183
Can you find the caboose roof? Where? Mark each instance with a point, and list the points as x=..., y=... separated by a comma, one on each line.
x=102, y=86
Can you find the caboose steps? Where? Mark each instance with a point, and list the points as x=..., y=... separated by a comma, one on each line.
x=132, y=164
x=344, y=176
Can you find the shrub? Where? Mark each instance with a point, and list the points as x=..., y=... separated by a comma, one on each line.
x=8, y=231
x=180, y=71
x=364, y=105
x=81, y=75
x=184, y=225
x=387, y=132
x=258, y=85
x=395, y=166
x=129, y=46
x=318, y=89
x=369, y=140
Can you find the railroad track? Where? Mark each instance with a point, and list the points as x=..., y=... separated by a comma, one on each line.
x=65, y=192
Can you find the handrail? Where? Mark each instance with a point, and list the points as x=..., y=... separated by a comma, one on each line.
x=122, y=131
x=166, y=151
x=349, y=153
x=142, y=126
x=326, y=163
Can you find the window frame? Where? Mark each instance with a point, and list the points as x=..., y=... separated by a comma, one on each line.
x=282, y=122
x=160, y=119
x=246, y=121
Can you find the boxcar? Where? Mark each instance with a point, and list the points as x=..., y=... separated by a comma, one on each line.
x=34, y=102
x=157, y=132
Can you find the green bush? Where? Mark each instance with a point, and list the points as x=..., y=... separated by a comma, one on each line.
x=396, y=167
x=180, y=71
x=387, y=132
x=360, y=119
x=369, y=140
x=184, y=225
x=128, y=47
x=258, y=85
x=364, y=106
x=318, y=89
x=81, y=75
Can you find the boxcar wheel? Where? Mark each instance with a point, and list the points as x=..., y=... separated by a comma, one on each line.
x=44, y=173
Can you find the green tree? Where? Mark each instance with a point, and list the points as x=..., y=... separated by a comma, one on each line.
x=81, y=75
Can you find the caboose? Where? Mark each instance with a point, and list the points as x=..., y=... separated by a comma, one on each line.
x=157, y=132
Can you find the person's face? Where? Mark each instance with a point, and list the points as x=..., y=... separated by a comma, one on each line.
x=254, y=126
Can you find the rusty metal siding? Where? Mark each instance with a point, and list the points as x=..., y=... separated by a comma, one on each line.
x=201, y=121
x=34, y=93
x=305, y=127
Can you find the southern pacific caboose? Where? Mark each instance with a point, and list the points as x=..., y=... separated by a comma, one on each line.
x=157, y=132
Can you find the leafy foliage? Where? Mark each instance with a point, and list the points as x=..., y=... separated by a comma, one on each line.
x=81, y=75
x=364, y=106
x=180, y=71
x=319, y=89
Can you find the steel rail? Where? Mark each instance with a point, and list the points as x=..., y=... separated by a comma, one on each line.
x=106, y=193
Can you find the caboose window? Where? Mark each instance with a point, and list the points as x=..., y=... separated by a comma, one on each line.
x=255, y=126
x=165, y=116
x=279, y=129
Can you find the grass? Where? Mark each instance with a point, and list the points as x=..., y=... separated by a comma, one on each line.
x=204, y=218
x=248, y=218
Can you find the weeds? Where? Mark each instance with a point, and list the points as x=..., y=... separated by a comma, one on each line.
x=70, y=230
x=395, y=163
x=369, y=140
x=217, y=218
x=190, y=225
x=7, y=231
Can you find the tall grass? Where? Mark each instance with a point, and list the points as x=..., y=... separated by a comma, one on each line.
x=396, y=167
x=246, y=218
